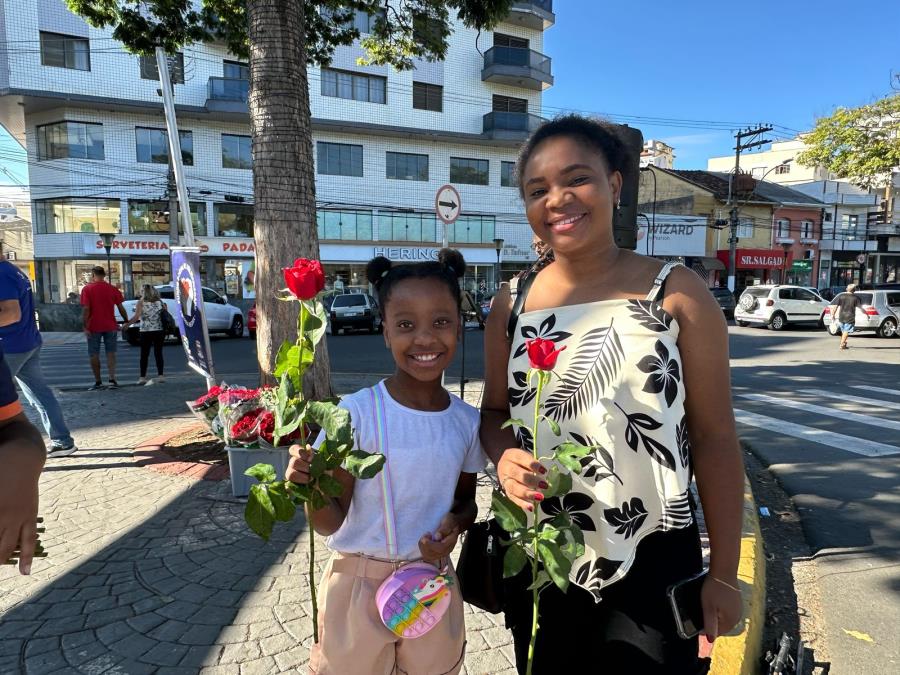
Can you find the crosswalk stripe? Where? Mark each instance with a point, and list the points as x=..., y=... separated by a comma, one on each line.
x=878, y=390
x=822, y=410
x=860, y=446
x=847, y=398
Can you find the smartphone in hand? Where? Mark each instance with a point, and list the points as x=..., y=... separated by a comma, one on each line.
x=684, y=597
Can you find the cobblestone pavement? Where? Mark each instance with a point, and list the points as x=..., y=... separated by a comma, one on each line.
x=151, y=573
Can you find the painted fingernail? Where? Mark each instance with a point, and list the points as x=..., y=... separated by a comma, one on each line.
x=538, y=497
x=543, y=485
x=26, y=568
x=542, y=469
x=530, y=507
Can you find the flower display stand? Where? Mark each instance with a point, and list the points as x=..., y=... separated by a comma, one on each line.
x=240, y=459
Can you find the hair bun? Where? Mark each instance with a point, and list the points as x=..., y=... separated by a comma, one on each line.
x=453, y=260
x=376, y=269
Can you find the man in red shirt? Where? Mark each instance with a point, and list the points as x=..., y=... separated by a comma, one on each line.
x=99, y=300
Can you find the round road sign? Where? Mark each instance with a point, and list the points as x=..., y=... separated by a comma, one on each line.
x=447, y=204
x=861, y=258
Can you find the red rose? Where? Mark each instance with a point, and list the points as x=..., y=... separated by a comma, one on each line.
x=305, y=279
x=542, y=353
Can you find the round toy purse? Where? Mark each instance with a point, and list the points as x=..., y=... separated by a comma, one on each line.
x=413, y=599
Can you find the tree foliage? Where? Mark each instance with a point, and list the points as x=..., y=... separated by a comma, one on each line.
x=402, y=30
x=861, y=144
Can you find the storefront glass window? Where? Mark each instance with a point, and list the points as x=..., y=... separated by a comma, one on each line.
x=472, y=230
x=407, y=227
x=152, y=272
x=76, y=274
x=153, y=217
x=234, y=220
x=344, y=225
x=54, y=216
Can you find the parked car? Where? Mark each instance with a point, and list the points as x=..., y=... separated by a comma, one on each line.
x=251, y=321
x=221, y=317
x=777, y=306
x=726, y=301
x=880, y=312
x=354, y=310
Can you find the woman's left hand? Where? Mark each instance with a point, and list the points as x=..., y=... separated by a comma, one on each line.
x=442, y=542
x=722, y=606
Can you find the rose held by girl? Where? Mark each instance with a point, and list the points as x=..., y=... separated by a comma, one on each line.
x=542, y=354
x=305, y=279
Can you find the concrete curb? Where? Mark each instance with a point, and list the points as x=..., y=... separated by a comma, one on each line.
x=149, y=454
x=738, y=654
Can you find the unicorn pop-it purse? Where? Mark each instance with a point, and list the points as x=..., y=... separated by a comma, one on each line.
x=414, y=598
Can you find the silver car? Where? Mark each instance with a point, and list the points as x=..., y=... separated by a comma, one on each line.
x=880, y=312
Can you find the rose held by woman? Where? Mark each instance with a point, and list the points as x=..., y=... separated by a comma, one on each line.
x=542, y=354
x=305, y=279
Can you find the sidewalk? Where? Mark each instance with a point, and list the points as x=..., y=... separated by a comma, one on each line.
x=152, y=573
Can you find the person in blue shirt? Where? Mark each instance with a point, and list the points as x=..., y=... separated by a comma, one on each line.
x=22, y=454
x=21, y=342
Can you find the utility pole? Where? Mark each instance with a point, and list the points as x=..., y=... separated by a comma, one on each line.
x=739, y=147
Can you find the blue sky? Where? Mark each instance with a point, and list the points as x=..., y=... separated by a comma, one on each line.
x=721, y=63
x=785, y=62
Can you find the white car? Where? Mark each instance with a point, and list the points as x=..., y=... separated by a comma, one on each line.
x=221, y=317
x=779, y=305
x=880, y=312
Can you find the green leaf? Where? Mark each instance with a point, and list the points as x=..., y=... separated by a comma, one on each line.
x=259, y=513
x=556, y=564
x=317, y=500
x=514, y=421
x=283, y=359
x=364, y=465
x=300, y=492
x=330, y=486
x=560, y=483
x=264, y=473
x=316, y=318
x=334, y=420
x=281, y=501
x=554, y=426
x=513, y=561
x=569, y=453
x=317, y=467
x=286, y=388
x=508, y=514
x=542, y=579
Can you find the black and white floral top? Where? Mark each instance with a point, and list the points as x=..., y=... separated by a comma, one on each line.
x=620, y=388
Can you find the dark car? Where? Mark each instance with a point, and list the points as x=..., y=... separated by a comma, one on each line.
x=725, y=298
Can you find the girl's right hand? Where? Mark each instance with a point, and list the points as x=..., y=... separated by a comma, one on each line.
x=298, y=467
x=520, y=476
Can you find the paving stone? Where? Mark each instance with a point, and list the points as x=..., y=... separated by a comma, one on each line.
x=11, y=628
x=100, y=664
x=170, y=631
x=144, y=623
x=231, y=634
x=292, y=658
x=100, y=604
x=40, y=645
x=178, y=610
x=199, y=656
x=133, y=646
x=240, y=652
x=113, y=632
x=484, y=663
x=85, y=652
x=200, y=635
x=229, y=669
x=69, y=624
x=107, y=616
x=92, y=593
x=130, y=667
x=73, y=640
x=264, y=666
x=150, y=604
x=165, y=654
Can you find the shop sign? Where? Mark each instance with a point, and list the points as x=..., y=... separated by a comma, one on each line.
x=243, y=247
x=406, y=253
x=672, y=235
x=801, y=266
x=754, y=259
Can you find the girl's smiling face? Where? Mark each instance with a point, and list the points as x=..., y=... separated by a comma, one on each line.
x=421, y=327
x=570, y=195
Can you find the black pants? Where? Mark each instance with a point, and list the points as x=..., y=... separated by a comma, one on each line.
x=631, y=630
x=154, y=338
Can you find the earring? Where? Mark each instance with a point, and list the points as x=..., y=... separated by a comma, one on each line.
x=618, y=204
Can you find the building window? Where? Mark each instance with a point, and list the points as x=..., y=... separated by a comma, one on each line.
x=365, y=23
x=507, y=174
x=406, y=166
x=784, y=228
x=236, y=152
x=509, y=104
x=849, y=222
x=235, y=70
x=339, y=159
x=344, y=225
x=758, y=171
x=472, y=230
x=78, y=140
x=65, y=51
x=354, y=86
x=407, y=227
x=502, y=40
x=827, y=216
x=152, y=146
x=153, y=217
x=806, y=229
x=55, y=216
x=783, y=168
x=428, y=97
x=426, y=29
x=469, y=171
x=745, y=228
x=149, y=71
x=234, y=220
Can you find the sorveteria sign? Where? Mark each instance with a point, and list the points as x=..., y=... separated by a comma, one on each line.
x=412, y=254
x=160, y=246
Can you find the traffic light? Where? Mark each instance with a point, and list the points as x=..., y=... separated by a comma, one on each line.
x=625, y=217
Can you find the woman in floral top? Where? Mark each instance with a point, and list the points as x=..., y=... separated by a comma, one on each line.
x=148, y=313
x=644, y=379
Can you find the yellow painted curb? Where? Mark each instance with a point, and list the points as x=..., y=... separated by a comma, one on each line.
x=738, y=654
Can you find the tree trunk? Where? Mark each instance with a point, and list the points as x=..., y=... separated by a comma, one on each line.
x=283, y=178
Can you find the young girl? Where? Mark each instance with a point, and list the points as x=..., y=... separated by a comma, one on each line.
x=430, y=439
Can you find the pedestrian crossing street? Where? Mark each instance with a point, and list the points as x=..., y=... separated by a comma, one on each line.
x=859, y=419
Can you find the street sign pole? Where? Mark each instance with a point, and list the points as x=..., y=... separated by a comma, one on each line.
x=447, y=207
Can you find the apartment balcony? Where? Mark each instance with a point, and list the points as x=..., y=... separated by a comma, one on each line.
x=885, y=229
x=509, y=126
x=227, y=95
x=785, y=240
x=517, y=67
x=847, y=244
x=537, y=14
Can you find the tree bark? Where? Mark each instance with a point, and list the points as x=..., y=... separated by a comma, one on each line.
x=283, y=176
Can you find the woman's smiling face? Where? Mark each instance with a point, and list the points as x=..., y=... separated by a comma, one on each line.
x=570, y=195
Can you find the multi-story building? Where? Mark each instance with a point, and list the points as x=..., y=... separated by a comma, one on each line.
x=16, y=239
x=90, y=117
x=778, y=164
x=656, y=153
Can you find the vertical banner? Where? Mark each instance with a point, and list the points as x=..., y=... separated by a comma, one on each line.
x=190, y=314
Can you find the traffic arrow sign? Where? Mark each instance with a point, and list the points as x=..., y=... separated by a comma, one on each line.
x=447, y=204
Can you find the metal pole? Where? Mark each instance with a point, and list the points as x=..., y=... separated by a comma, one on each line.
x=108, y=262
x=733, y=217
x=174, y=145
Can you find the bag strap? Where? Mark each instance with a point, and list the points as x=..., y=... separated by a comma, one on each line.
x=659, y=283
x=387, y=497
x=519, y=292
